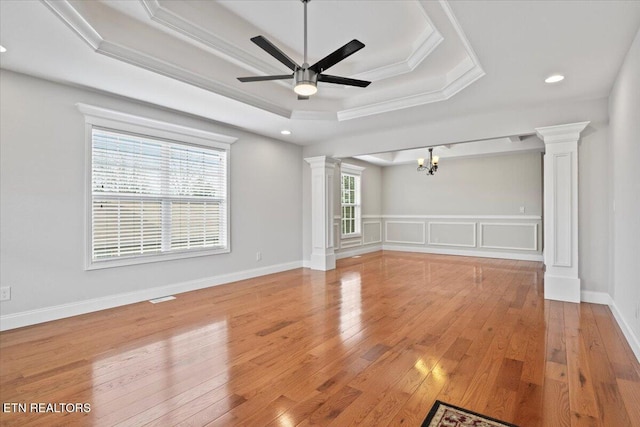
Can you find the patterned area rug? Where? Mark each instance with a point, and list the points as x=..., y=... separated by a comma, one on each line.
x=445, y=415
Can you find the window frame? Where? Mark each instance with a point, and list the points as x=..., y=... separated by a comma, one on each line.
x=355, y=172
x=154, y=129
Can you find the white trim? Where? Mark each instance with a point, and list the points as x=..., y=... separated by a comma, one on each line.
x=363, y=233
x=336, y=235
x=594, y=297
x=425, y=45
x=515, y=217
x=475, y=243
x=414, y=100
x=632, y=339
x=72, y=18
x=464, y=252
x=144, y=259
x=76, y=22
x=561, y=288
x=32, y=317
x=464, y=74
x=556, y=216
x=350, y=243
x=100, y=116
x=354, y=172
x=507, y=224
x=360, y=251
x=561, y=133
x=124, y=122
x=350, y=236
x=386, y=232
x=454, y=84
x=351, y=169
x=227, y=50
x=371, y=216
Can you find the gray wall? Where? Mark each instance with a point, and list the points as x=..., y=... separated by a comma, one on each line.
x=471, y=206
x=42, y=153
x=492, y=185
x=593, y=210
x=624, y=142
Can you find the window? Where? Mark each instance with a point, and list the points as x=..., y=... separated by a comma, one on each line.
x=153, y=198
x=350, y=199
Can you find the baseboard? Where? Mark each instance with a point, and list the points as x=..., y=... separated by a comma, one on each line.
x=595, y=297
x=361, y=250
x=465, y=252
x=632, y=339
x=41, y=315
x=605, y=299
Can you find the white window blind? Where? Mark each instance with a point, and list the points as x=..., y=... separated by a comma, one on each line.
x=153, y=196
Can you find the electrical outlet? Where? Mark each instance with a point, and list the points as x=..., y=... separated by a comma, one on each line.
x=258, y=256
x=522, y=209
x=5, y=293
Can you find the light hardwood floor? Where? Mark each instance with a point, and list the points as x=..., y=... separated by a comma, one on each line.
x=373, y=342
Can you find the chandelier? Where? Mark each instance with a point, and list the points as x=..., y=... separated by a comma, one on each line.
x=432, y=165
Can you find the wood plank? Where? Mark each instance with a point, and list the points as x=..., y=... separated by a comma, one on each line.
x=374, y=342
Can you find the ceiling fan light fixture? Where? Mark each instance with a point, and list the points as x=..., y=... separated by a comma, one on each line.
x=305, y=88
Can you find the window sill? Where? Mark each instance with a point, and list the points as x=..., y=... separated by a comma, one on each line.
x=145, y=259
x=350, y=236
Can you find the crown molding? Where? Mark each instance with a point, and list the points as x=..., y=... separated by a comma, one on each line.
x=466, y=73
x=426, y=44
x=414, y=100
x=74, y=20
x=150, y=63
x=220, y=46
x=70, y=16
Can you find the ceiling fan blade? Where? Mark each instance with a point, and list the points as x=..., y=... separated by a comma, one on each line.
x=272, y=50
x=342, y=80
x=302, y=98
x=264, y=78
x=333, y=58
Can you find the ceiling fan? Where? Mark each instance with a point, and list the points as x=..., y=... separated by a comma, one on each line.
x=307, y=77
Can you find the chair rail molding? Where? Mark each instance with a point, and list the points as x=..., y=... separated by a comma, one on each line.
x=561, y=281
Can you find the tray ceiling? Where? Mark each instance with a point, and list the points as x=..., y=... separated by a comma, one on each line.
x=206, y=44
x=429, y=61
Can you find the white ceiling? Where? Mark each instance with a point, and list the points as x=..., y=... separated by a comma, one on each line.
x=426, y=59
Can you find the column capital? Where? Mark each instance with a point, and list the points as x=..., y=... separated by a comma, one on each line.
x=561, y=133
x=321, y=161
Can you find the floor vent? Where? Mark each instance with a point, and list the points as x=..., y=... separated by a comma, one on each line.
x=161, y=299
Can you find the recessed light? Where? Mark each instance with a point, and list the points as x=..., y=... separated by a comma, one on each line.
x=285, y=132
x=2, y=49
x=554, y=79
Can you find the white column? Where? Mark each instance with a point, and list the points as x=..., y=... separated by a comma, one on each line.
x=561, y=281
x=322, y=186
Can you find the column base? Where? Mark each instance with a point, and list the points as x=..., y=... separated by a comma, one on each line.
x=560, y=288
x=323, y=262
